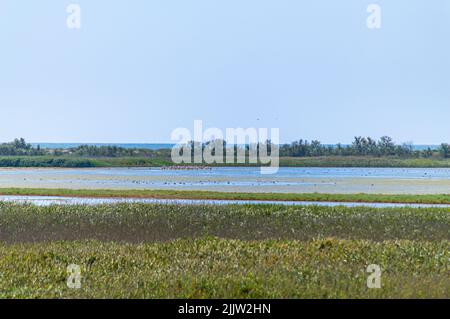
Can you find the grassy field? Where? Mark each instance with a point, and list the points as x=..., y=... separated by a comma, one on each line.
x=138, y=223
x=253, y=251
x=324, y=161
x=363, y=161
x=176, y=194
x=217, y=268
x=81, y=162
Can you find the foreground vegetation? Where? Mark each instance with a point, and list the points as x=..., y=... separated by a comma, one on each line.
x=217, y=268
x=177, y=194
x=139, y=223
x=254, y=251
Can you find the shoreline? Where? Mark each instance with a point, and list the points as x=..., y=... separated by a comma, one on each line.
x=47, y=161
x=210, y=195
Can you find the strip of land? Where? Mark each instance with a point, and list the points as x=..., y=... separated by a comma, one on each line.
x=207, y=195
x=320, y=161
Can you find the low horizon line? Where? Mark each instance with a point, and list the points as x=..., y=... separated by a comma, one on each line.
x=172, y=142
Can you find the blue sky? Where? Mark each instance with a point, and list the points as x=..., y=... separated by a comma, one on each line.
x=138, y=69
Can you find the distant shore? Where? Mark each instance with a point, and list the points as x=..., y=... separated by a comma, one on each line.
x=322, y=161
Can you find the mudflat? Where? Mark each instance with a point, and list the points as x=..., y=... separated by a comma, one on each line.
x=287, y=180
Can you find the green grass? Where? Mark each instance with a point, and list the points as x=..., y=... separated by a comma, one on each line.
x=81, y=162
x=250, y=251
x=364, y=161
x=176, y=194
x=324, y=161
x=218, y=268
x=138, y=223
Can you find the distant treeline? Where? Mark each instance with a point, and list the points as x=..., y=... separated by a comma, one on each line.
x=19, y=147
x=361, y=146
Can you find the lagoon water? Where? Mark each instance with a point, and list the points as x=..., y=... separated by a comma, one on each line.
x=238, y=179
x=54, y=200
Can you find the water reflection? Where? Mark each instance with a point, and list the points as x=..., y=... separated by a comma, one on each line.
x=50, y=200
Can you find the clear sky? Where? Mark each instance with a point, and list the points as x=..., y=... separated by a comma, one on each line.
x=138, y=69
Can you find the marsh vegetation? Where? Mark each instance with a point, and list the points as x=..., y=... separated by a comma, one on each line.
x=258, y=251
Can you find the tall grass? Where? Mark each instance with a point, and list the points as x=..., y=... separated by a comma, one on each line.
x=218, y=268
x=254, y=251
x=138, y=223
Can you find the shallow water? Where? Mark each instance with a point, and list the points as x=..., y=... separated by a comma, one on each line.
x=53, y=200
x=287, y=180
